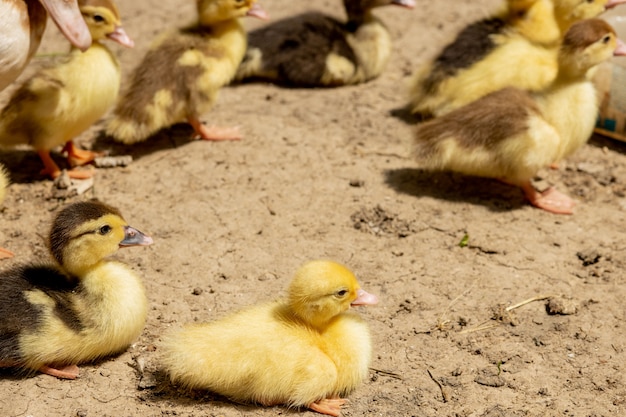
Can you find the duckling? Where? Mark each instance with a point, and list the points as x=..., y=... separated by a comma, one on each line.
x=23, y=25
x=60, y=102
x=307, y=350
x=84, y=307
x=517, y=48
x=510, y=134
x=316, y=50
x=4, y=183
x=179, y=78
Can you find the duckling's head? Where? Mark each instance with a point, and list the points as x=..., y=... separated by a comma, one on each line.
x=569, y=12
x=214, y=11
x=324, y=289
x=356, y=9
x=587, y=44
x=535, y=20
x=85, y=233
x=103, y=20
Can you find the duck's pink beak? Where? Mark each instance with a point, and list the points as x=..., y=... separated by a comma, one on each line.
x=363, y=298
x=67, y=17
x=409, y=4
x=621, y=48
x=258, y=12
x=120, y=36
x=614, y=3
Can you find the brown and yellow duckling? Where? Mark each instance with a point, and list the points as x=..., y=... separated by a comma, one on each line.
x=23, y=25
x=511, y=134
x=316, y=50
x=305, y=351
x=180, y=76
x=84, y=307
x=59, y=103
x=516, y=48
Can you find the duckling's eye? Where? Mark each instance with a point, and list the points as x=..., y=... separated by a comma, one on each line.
x=606, y=39
x=105, y=229
x=341, y=293
x=97, y=18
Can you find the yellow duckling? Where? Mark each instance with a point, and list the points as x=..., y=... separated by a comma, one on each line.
x=315, y=50
x=511, y=134
x=85, y=307
x=59, y=103
x=179, y=78
x=518, y=48
x=305, y=351
x=23, y=25
x=4, y=183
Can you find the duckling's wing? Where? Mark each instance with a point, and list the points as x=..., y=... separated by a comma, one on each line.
x=296, y=49
x=31, y=107
x=27, y=295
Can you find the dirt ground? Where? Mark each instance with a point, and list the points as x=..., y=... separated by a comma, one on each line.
x=327, y=174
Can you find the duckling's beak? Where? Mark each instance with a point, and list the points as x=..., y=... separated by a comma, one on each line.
x=120, y=36
x=363, y=298
x=409, y=4
x=133, y=237
x=614, y=3
x=258, y=12
x=67, y=17
x=621, y=48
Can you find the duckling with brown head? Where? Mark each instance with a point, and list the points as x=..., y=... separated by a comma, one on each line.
x=305, y=351
x=84, y=307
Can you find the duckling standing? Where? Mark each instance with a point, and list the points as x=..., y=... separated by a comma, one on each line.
x=22, y=27
x=179, y=78
x=517, y=48
x=4, y=182
x=59, y=103
x=511, y=134
x=55, y=316
x=315, y=50
x=305, y=351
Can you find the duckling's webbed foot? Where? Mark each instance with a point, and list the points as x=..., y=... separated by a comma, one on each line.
x=53, y=170
x=77, y=156
x=550, y=200
x=213, y=132
x=4, y=254
x=67, y=372
x=329, y=406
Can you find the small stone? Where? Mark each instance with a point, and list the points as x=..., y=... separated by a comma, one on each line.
x=197, y=291
x=561, y=305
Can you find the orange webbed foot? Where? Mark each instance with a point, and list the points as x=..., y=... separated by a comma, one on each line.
x=550, y=200
x=202, y=131
x=67, y=372
x=329, y=406
x=5, y=254
x=77, y=156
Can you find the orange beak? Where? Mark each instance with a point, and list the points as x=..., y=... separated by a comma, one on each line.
x=70, y=22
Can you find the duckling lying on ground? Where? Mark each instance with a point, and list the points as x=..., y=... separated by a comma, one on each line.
x=517, y=48
x=59, y=103
x=511, y=134
x=315, y=50
x=22, y=26
x=305, y=351
x=4, y=183
x=55, y=316
x=179, y=78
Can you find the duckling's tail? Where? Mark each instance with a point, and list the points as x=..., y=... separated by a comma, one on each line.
x=130, y=126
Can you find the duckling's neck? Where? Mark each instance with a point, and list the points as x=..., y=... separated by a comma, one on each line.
x=358, y=18
x=371, y=43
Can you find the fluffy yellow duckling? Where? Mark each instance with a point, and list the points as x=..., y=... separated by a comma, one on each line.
x=55, y=316
x=4, y=183
x=23, y=25
x=511, y=134
x=518, y=48
x=59, y=103
x=307, y=350
x=179, y=78
x=315, y=50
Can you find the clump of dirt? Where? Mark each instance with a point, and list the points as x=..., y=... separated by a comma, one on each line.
x=379, y=221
